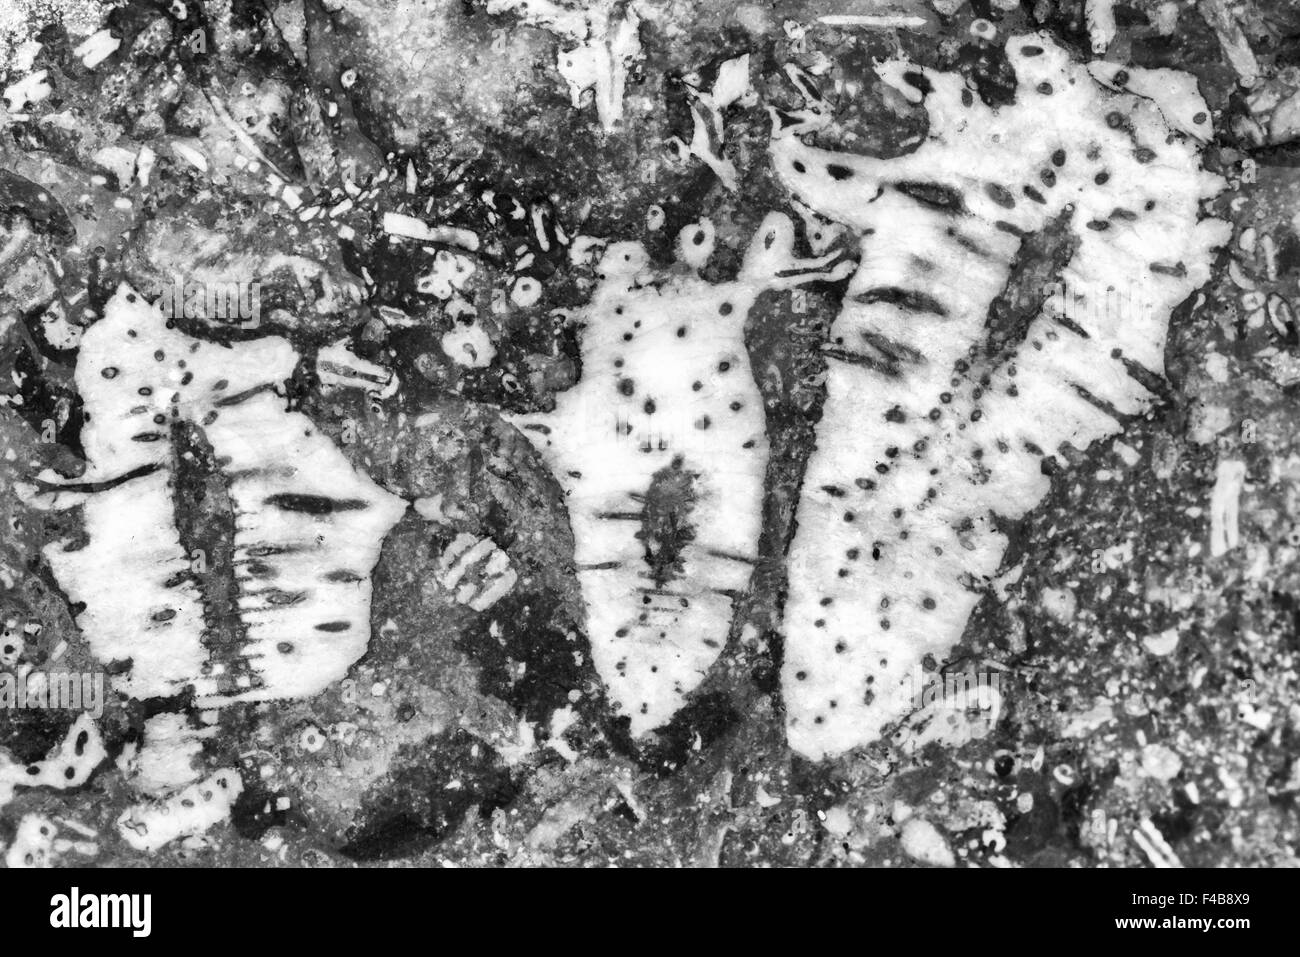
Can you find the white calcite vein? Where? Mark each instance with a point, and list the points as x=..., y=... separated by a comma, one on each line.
x=661, y=450
x=949, y=397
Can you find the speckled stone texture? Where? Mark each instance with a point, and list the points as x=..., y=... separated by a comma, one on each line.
x=644, y=432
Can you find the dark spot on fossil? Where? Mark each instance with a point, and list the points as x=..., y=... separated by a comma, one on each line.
x=313, y=504
x=908, y=299
x=934, y=195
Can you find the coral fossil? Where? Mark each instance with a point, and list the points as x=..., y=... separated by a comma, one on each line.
x=306, y=527
x=662, y=450
x=1017, y=276
x=246, y=536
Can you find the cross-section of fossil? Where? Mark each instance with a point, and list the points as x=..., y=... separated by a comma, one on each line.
x=1017, y=275
x=661, y=450
x=227, y=543
x=252, y=587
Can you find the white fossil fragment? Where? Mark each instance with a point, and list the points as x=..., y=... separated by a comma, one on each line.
x=306, y=526
x=1101, y=23
x=468, y=344
x=411, y=227
x=951, y=384
x=892, y=21
x=266, y=595
x=37, y=843
x=1225, y=501
x=1153, y=844
x=69, y=766
x=922, y=842
x=731, y=84
x=340, y=368
x=96, y=48
x=193, y=810
x=30, y=89
x=605, y=46
x=490, y=565
x=661, y=450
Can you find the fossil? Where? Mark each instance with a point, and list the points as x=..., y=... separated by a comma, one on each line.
x=247, y=537
x=661, y=450
x=1018, y=271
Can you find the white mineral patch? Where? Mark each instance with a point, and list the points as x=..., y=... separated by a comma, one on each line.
x=1163, y=643
x=922, y=842
x=1160, y=762
x=926, y=439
